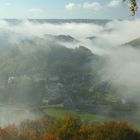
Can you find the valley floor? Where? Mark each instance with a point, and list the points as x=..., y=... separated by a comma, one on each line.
x=60, y=112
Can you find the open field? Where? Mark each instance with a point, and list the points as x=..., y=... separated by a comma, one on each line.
x=60, y=112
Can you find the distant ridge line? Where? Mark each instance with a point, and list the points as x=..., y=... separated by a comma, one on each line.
x=96, y=21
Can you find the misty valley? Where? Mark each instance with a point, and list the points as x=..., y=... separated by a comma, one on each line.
x=56, y=74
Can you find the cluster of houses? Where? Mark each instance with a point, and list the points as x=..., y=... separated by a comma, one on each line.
x=52, y=85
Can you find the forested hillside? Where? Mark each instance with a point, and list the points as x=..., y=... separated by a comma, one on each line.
x=52, y=72
x=42, y=73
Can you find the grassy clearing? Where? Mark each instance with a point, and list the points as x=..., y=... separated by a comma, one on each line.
x=60, y=112
x=86, y=117
x=135, y=125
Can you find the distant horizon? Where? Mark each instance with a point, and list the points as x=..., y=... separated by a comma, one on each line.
x=64, y=19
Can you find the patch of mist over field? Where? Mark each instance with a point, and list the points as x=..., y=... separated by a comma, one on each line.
x=15, y=115
x=122, y=68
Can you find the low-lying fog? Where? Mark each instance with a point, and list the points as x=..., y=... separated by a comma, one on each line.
x=122, y=68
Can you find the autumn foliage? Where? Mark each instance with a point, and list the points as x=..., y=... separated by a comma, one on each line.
x=68, y=128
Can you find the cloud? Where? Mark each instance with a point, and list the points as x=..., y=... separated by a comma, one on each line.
x=122, y=68
x=78, y=30
x=114, y=3
x=119, y=32
x=71, y=6
x=35, y=10
x=123, y=64
x=94, y=5
x=86, y=5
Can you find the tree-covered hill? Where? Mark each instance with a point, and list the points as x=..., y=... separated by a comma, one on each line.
x=134, y=43
x=41, y=72
x=45, y=70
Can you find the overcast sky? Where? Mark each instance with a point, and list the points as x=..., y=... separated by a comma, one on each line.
x=94, y=9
